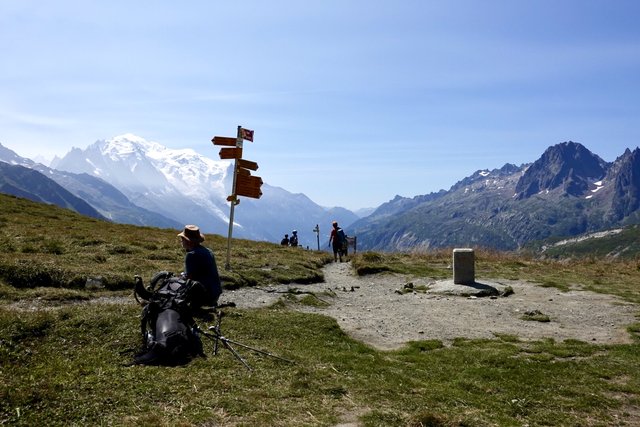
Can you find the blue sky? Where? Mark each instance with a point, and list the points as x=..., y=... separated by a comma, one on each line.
x=352, y=102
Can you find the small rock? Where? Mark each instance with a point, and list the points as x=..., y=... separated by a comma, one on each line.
x=94, y=283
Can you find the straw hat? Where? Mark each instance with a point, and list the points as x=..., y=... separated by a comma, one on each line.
x=192, y=234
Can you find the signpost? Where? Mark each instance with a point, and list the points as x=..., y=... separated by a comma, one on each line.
x=244, y=184
x=317, y=231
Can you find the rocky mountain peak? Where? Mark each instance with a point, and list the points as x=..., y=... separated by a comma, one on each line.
x=568, y=166
x=626, y=196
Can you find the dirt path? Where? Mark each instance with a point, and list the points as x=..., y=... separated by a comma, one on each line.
x=371, y=310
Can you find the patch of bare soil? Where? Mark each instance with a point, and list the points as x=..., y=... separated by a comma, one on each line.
x=375, y=310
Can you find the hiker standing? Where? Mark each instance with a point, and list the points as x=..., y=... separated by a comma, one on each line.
x=337, y=240
x=293, y=240
x=200, y=263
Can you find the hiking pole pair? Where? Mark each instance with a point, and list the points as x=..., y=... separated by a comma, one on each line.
x=216, y=336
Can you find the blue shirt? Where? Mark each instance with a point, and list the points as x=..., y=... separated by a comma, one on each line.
x=200, y=265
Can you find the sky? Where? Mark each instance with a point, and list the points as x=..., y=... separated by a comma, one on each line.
x=351, y=102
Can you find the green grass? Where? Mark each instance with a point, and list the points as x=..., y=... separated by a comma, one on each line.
x=46, y=246
x=69, y=366
x=65, y=354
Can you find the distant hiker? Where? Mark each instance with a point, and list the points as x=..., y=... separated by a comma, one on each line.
x=200, y=264
x=293, y=240
x=337, y=239
x=285, y=240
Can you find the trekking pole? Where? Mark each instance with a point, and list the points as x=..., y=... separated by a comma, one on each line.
x=216, y=336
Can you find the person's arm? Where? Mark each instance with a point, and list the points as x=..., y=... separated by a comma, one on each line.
x=188, y=265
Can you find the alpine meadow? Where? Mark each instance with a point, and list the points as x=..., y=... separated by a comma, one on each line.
x=320, y=214
x=69, y=326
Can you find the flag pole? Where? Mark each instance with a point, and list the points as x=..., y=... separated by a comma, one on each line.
x=234, y=201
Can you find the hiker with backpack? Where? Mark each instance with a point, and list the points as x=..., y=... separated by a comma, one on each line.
x=293, y=240
x=338, y=240
x=171, y=302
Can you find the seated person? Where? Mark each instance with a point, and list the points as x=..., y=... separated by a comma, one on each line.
x=200, y=264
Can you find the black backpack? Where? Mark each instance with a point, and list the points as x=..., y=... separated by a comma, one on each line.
x=167, y=325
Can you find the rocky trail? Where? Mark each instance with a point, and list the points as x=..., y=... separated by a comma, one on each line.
x=387, y=310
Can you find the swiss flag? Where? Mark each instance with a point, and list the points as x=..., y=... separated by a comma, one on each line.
x=246, y=134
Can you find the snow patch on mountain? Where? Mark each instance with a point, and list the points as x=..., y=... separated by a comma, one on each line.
x=190, y=188
x=161, y=179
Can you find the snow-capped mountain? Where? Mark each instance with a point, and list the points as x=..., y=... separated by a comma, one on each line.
x=170, y=182
x=191, y=188
x=100, y=195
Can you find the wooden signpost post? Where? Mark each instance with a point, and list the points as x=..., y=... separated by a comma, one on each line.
x=244, y=184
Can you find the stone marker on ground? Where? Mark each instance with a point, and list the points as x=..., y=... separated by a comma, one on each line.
x=464, y=266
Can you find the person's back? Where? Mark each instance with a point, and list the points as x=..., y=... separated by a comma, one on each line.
x=336, y=239
x=200, y=263
x=285, y=240
x=293, y=240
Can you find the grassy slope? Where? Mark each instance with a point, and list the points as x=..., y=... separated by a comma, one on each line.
x=68, y=364
x=625, y=245
x=42, y=245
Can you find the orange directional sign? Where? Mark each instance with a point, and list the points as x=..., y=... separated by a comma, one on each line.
x=224, y=140
x=243, y=171
x=230, y=153
x=254, y=193
x=248, y=186
x=251, y=181
x=247, y=164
